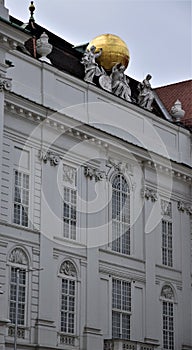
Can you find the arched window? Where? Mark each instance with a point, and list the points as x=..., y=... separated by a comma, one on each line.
x=68, y=299
x=120, y=215
x=167, y=297
x=19, y=263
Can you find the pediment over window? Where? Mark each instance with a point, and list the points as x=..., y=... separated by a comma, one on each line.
x=67, y=268
x=18, y=256
x=167, y=292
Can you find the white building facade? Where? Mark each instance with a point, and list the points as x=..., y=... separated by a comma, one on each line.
x=95, y=220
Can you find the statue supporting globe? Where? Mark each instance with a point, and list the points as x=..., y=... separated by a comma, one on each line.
x=114, y=50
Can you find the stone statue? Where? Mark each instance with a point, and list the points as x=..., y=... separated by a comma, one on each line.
x=91, y=67
x=146, y=96
x=177, y=112
x=120, y=83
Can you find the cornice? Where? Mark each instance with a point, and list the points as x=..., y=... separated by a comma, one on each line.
x=114, y=271
x=62, y=123
x=181, y=174
x=10, y=38
x=25, y=110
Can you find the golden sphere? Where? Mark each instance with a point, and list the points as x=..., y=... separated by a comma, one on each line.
x=114, y=51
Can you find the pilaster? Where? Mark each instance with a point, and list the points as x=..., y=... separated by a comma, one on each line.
x=5, y=85
x=3, y=331
x=95, y=183
x=151, y=335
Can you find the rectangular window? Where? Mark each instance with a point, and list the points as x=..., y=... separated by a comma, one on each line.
x=69, y=213
x=168, y=328
x=21, y=283
x=121, y=309
x=120, y=216
x=21, y=198
x=167, y=244
x=68, y=306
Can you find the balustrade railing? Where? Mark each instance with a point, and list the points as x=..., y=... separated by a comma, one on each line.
x=120, y=344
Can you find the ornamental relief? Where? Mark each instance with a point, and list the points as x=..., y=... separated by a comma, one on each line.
x=69, y=174
x=52, y=157
x=149, y=193
x=167, y=292
x=120, y=166
x=184, y=207
x=5, y=83
x=18, y=256
x=124, y=168
x=94, y=173
x=67, y=268
x=166, y=208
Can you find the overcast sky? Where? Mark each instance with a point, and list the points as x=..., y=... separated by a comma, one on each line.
x=157, y=33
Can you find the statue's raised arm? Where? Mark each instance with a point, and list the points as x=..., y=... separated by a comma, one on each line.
x=91, y=66
x=146, y=96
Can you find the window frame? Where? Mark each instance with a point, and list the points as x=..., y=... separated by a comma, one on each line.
x=168, y=331
x=166, y=237
x=67, y=275
x=70, y=217
x=25, y=267
x=25, y=292
x=20, y=167
x=121, y=311
x=22, y=172
x=69, y=181
x=121, y=223
x=168, y=297
x=67, y=311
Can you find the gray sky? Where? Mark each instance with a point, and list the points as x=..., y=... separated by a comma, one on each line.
x=157, y=33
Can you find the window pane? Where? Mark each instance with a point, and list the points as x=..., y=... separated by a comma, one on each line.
x=125, y=326
x=17, y=213
x=116, y=325
x=126, y=296
x=125, y=239
x=116, y=295
x=24, y=216
x=26, y=181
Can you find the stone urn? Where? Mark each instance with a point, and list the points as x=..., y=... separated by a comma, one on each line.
x=177, y=112
x=44, y=48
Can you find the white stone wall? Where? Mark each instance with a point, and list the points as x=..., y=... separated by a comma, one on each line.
x=105, y=133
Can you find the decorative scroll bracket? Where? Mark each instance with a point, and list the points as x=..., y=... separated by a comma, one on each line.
x=149, y=193
x=181, y=206
x=95, y=173
x=5, y=83
x=52, y=157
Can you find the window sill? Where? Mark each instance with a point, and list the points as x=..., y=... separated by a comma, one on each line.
x=169, y=268
x=19, y=227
